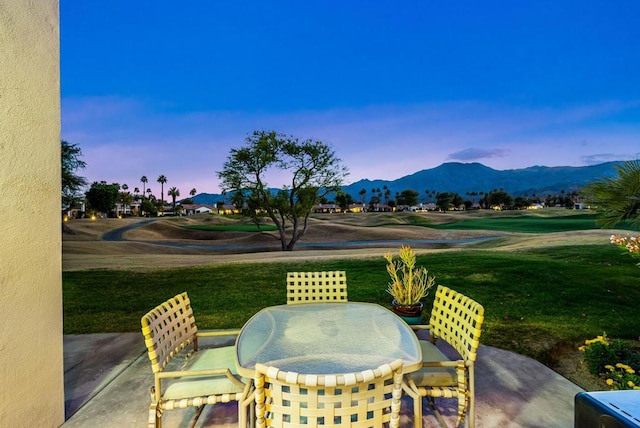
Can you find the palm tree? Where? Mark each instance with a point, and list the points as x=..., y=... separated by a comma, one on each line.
x=193, y=192
x=162, y=179
x=125, y=197
x=144, y=180
x=363, y=194
x=174, y=193
x=618, y=198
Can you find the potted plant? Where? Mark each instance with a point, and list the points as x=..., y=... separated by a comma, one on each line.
x=408, y=284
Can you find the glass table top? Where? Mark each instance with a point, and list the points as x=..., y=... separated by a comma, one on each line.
x=323, y=338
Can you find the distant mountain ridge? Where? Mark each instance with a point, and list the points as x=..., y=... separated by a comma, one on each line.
x=463, y=178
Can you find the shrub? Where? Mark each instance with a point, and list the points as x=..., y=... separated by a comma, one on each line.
x=622, y=376
x=614, y=360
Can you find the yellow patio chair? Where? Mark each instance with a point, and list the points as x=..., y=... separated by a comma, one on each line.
x=457, y=320
x=367, y=399
x=208, y=376
x=316, y=287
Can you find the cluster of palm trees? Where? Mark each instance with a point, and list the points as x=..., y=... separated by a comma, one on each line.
x=148, y=197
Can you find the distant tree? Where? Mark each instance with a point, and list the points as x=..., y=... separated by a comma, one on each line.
x=174, y=193
x=124, y=197
x=148, y=207
x=193, y=192
x=237, y=199
x=363, y=194
x=72, y=183
x=456, y=200
x=102, y=197
x=314, y=169
x=144, y=180
x=444, y=201
x=387, y=194
x=407, y=197
x=618, y=198
x=499, y=198
x=344, y=200
x=162, y=180
x=520, y=203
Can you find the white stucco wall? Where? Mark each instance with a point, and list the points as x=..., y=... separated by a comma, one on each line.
x=31, y=358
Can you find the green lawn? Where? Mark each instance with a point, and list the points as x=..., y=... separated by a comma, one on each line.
x=535, y=301
x=527, y=223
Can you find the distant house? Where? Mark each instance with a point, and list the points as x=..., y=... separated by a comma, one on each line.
x=132, y=208
x=356, y=208
x=378, y=208
x=228, y=209
x=193, y=209
x=327, y=208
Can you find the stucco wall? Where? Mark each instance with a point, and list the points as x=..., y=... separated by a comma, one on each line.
x=31, y=359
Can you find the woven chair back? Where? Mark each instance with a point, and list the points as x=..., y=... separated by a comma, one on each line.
x=366, y=399
x=168, y=329
x=316, y=287
x=457, y=320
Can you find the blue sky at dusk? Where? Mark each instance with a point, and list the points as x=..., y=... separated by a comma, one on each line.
x=165, y=87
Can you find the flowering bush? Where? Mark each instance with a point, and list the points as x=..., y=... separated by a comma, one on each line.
x=628, y=243
x=408, y=284
x=601, y=353
x=622, y=376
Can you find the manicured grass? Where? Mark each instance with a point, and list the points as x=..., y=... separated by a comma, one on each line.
x=535, y=301
x=528, y=223
x=232, y=227
x=525, y=224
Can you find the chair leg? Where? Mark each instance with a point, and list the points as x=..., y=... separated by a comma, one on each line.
x=471, y=412
x=436, y=412
x=155, y=416
x=417, y=411
x=462, y=405
x=408, y=388
x=194, y=420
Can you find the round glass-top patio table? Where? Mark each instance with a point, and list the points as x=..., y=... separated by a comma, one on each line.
x=326, y=338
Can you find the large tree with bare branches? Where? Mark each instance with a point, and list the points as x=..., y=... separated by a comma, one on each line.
x=310, y=166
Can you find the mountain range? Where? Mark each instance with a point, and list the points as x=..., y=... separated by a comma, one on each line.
x=463, y=178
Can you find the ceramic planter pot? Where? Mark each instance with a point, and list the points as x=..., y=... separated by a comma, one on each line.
x=412, y=313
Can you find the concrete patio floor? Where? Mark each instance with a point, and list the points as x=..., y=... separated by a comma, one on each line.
x=108, y=376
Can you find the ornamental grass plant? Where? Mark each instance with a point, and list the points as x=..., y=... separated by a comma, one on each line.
x=409, y=284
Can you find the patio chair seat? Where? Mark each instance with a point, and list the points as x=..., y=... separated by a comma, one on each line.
x=434, y=376
x=202, y=386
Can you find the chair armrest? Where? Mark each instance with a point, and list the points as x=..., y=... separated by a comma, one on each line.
x=435, y=364
x=424, y=327
x=218, y=333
